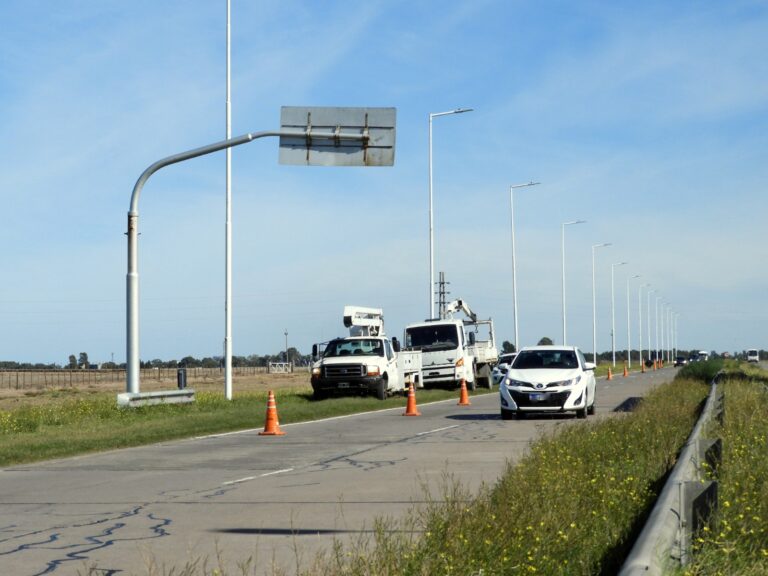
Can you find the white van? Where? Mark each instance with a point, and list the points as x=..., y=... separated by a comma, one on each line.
x=753, y=355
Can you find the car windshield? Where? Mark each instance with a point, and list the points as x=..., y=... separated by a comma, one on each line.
x=506, y=358
x=545, y=359
x=431, y=338
x=370, y=347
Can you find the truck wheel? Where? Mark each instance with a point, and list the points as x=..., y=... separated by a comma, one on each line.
x=470, y=385
x=484, y=377
x=318, y=394
x=381, y=389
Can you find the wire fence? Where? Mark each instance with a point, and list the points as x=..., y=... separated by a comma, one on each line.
x=41, y=378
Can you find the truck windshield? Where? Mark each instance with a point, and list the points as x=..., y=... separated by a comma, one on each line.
x=370, y=347
x=437, y=337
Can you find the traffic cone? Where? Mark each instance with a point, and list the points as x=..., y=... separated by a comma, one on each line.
x=642, y=366
x=410, y=408
x=463, y=396
x=271, y=425
x=610, y=375
x=626, y=372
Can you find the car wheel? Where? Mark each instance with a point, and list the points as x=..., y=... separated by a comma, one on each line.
x=582, y=412
x=591, y=409
x=507, y=414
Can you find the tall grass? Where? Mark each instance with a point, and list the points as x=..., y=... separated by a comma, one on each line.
x=736, y=541
x=572, y=506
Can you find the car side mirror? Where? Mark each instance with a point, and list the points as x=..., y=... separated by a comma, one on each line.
x=314, y=352
x=472, y=339
x=395, y=345
x=589, y=366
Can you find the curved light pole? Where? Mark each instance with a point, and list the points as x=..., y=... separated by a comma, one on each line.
x=562, y=241
x=431, y=220
x=629, y=337
x=594, y=304
x=613, y=315
x=514, y=265
x=228, y=227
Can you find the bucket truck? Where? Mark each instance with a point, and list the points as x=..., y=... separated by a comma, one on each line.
x=452, y=349
x=366, y=361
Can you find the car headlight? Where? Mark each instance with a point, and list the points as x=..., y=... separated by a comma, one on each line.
x=566, y=383
x=316, y=371
x=511, y=382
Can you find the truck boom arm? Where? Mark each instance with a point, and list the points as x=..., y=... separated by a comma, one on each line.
x=460, y=305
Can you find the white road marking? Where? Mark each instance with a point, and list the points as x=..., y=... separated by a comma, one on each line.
x=437, y=430
x=249, y=478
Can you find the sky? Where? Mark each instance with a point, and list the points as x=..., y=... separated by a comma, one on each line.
x=648, y=120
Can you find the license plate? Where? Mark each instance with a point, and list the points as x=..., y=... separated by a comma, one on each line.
x=538, y=397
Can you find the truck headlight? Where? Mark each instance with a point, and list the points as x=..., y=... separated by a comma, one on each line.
x=316, y=371
x=373, y=371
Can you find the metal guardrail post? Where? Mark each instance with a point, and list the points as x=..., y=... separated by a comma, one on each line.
x=683, y=502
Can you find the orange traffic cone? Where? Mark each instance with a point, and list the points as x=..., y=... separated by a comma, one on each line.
x=626, y=372
x=410, y=408
x=610, y=375
x=271, y=425
x=642, y=366
x=463, y=396
x=654, y=365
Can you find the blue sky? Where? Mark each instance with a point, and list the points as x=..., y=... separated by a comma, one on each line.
x=649, y=120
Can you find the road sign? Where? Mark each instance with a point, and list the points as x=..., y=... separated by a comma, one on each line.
x=312, y=136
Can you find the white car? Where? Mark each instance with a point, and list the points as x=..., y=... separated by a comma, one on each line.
x=548, y=379
x=498, y=372
x=753, y=355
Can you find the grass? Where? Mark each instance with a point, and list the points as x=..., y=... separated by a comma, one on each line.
x=71, y=426
x=736, y=540
x=572, y=506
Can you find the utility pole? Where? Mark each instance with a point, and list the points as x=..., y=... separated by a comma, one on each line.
x=286, y=344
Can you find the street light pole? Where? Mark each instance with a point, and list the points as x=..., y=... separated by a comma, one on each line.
x=656, y=351
x=613, y=315
x=629, y=333
x=562, y=251
x=431, y=218
x=640, y=320
x=228, y=229
x=594, y=304
x=648, y=319
x=514, y=259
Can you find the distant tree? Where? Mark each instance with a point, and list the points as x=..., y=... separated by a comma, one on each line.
x=83, y=361
x=189, y=362
x=507, y=347
x=72, y=362
x=109, y=366
x=545, y=341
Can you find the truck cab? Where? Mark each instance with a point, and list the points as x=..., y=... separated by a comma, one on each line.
x=452, y=349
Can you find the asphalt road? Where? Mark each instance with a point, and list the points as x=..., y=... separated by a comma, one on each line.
x=271, y=499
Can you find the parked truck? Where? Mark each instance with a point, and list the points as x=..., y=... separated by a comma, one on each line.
x=453, y=349
x=366, y=361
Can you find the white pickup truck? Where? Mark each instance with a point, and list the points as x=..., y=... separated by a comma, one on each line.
x=365, y=362
x=451, y=349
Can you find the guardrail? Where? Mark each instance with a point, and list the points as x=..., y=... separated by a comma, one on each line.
x=685, y=502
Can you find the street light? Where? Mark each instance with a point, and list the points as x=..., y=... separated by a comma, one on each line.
x=514, y=266
x=640, y=320
x=656, y=351
x=629, y=337
x=594, y=304
x=228, y=226
x=562, y=240
x=613, y=315
x=648, y=319
x=431, y=220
